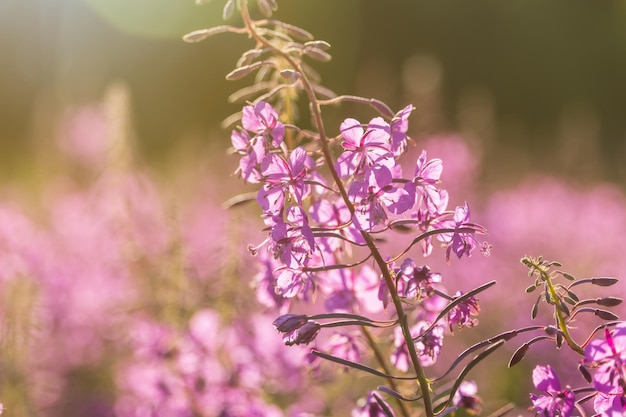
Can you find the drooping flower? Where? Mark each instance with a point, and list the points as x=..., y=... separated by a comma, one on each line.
x=303, y=334
x=557, y=402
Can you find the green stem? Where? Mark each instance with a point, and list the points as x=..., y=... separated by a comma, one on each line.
x=559, y=316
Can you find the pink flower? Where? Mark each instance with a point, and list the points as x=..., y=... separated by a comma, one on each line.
x=373, y=193
x=262, y=120
x=364, y=148
x=557, y=402
x=398, y=128
x=282, y=178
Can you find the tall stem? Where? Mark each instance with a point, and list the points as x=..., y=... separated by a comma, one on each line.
x=559, y=316
x=316, y=114
x=381, y=361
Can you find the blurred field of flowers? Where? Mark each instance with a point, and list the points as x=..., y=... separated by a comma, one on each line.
x=126, y=289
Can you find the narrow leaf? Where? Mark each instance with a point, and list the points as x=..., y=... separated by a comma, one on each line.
x=202, y=34
x=395, y=394
x=241, y=72
x=383, y=405
x=229, y=8
x=475, y=360
x=323, y=45
x=455, y=303
x=359, y=366
x=239, y=199
x=489, y=342
x=264, y=8
x=317, y=54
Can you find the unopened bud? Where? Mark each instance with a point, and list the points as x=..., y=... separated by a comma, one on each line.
x=605, y=315
x=585, y=372
x=604, y=281
x=302, y=335
x=289, y=322
x=609, y=301
x=289, y=74
x=317, y=54
x=519, y=354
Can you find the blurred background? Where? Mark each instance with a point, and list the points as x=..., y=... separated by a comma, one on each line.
x=520, y=75
x=523, y=100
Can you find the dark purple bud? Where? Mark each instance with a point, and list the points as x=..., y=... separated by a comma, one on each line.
x=534, y=311
x=303, y=335
x=519, y=354
x=604, y=281
x=559, y=340
x=585, y=372
x=609, y=301
x=289, y=322
x=605, y=315
x=551, y=330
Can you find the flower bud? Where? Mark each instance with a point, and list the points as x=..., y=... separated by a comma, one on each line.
x=289, y=322
x=302, y=335
x=308, y=332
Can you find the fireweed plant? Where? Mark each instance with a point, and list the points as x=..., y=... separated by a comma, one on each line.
x=331, y=197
